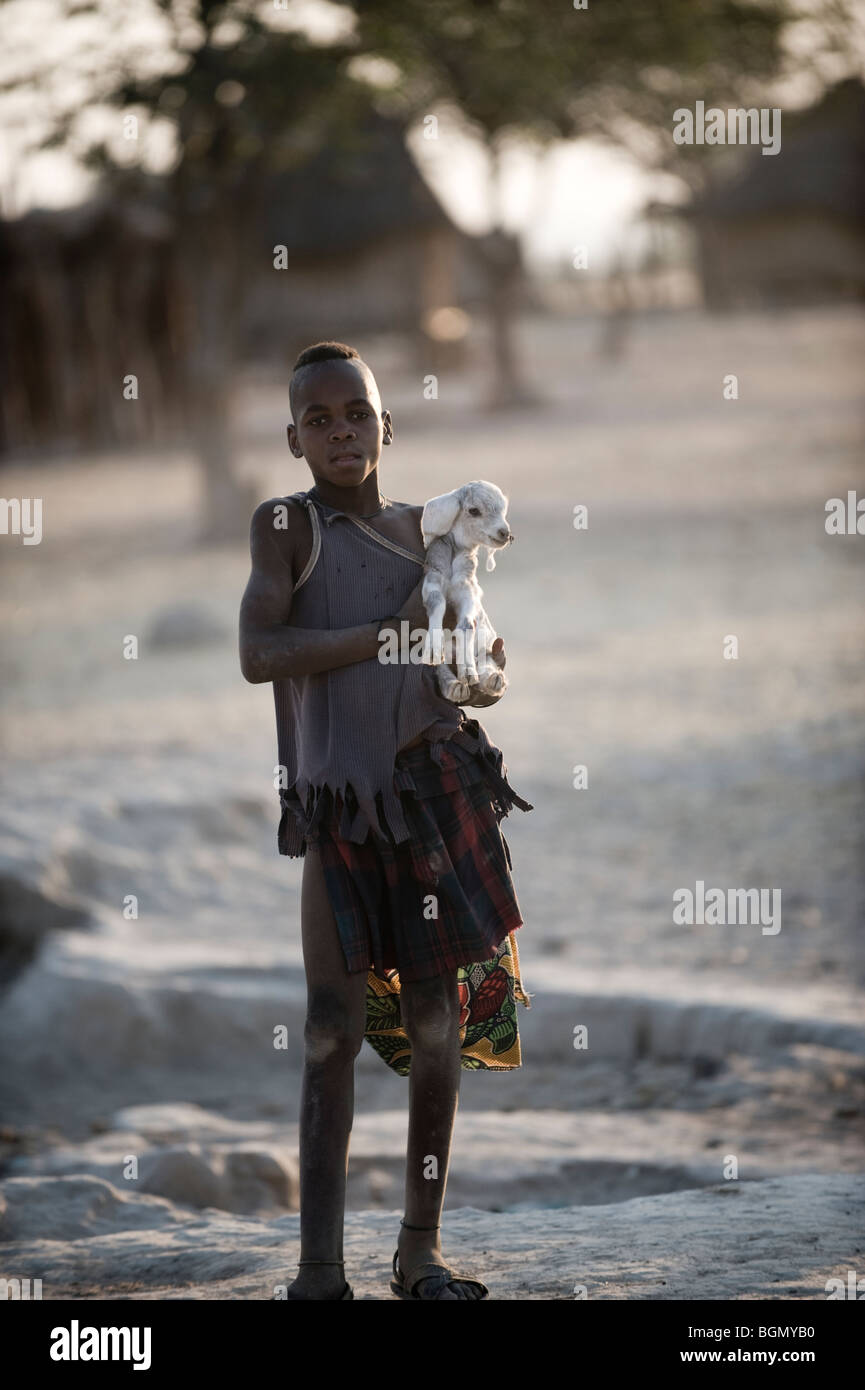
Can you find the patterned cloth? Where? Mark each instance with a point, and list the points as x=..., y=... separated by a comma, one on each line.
x=443, y=901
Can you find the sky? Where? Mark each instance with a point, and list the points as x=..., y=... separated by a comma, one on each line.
x=578, y=193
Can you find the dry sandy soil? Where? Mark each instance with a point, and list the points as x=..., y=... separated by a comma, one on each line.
x=152, y=1037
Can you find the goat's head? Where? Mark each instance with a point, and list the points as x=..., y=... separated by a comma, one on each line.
x=476, y=513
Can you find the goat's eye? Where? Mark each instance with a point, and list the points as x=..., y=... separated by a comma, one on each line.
x=474, y=511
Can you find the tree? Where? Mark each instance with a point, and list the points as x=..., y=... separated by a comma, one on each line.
x=614, y=70
x=245, y=98
x=243, y=109
x=243, y=101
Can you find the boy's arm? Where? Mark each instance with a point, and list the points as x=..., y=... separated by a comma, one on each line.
x=270, y=649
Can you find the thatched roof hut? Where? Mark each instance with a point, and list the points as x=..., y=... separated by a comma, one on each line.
x=98, y=292
x=790, y=227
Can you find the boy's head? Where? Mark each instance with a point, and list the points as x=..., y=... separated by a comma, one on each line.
x=338, y=424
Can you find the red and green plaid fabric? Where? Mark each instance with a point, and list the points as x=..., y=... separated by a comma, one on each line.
x=443, y=901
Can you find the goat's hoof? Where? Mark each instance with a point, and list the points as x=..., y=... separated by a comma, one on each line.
x=494, y=683
x=460, y=692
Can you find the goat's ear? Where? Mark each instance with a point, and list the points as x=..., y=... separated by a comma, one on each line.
x=491, y=559
x=439, y=515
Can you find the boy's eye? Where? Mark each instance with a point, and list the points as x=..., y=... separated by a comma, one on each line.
x=474, y=511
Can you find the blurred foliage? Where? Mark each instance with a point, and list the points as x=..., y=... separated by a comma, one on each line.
x=262, y=103
x=551, y=70
x=247, y=92
x=247, y=89
x=615, y=70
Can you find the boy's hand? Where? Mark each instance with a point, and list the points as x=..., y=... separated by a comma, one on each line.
x=413, y=609
x=481, y=699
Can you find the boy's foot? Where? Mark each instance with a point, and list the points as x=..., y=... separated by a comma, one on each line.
x=318, y=1282
x=414, y=1251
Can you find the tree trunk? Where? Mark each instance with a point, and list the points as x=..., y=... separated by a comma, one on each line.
x=210, y=252
x=227, y=503
x=503, y=263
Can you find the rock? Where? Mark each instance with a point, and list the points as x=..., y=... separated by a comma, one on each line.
x=172, y=1122
x=239, y=1179
x=73, y=1208
x=182, y=1174
x=782, y=1238
x=256, y=1179
x=28, y=911
x=239, y=1173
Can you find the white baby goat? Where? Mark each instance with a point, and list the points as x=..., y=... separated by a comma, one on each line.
x=454, y=527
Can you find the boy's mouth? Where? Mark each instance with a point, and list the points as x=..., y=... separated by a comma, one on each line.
x=346, y=457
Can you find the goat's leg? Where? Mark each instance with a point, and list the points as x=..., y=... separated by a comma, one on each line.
x=491, y=679
x=458, y=687
x=450, y=687
x=466, y=610
x=435, y=603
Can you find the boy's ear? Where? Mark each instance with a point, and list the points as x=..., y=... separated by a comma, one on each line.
x=293, y=443
x=439, y=515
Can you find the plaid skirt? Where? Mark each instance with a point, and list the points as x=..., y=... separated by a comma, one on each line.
x=441, y=902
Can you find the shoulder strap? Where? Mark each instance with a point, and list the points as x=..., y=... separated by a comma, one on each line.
x=316, y=539
x=385, y=540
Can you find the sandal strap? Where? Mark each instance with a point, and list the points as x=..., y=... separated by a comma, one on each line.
x=443, y=1273
x=415, y=1273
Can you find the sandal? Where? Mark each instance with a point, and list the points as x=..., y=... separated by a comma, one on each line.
x=404, y=1284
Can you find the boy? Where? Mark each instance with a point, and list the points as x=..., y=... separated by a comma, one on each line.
x=392, y=796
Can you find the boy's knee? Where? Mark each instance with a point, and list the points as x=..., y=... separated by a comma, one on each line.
x=431, y=1015
x=330, y=1033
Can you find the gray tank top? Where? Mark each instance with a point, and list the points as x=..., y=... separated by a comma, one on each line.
x=340, y=730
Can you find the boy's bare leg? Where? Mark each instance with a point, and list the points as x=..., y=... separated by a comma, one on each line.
x=430, y=1015
x=333, y=1036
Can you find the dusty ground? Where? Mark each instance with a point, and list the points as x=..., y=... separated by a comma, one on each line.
x=154, y=777
x=780, y=1239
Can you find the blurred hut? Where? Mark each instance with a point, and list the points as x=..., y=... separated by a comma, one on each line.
x=99, y=293
x=367, y=247
x=90, y=301
x=790, y=228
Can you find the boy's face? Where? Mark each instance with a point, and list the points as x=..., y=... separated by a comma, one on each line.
x=339, y=426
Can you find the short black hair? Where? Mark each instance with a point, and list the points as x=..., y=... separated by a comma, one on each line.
x=322, y=352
